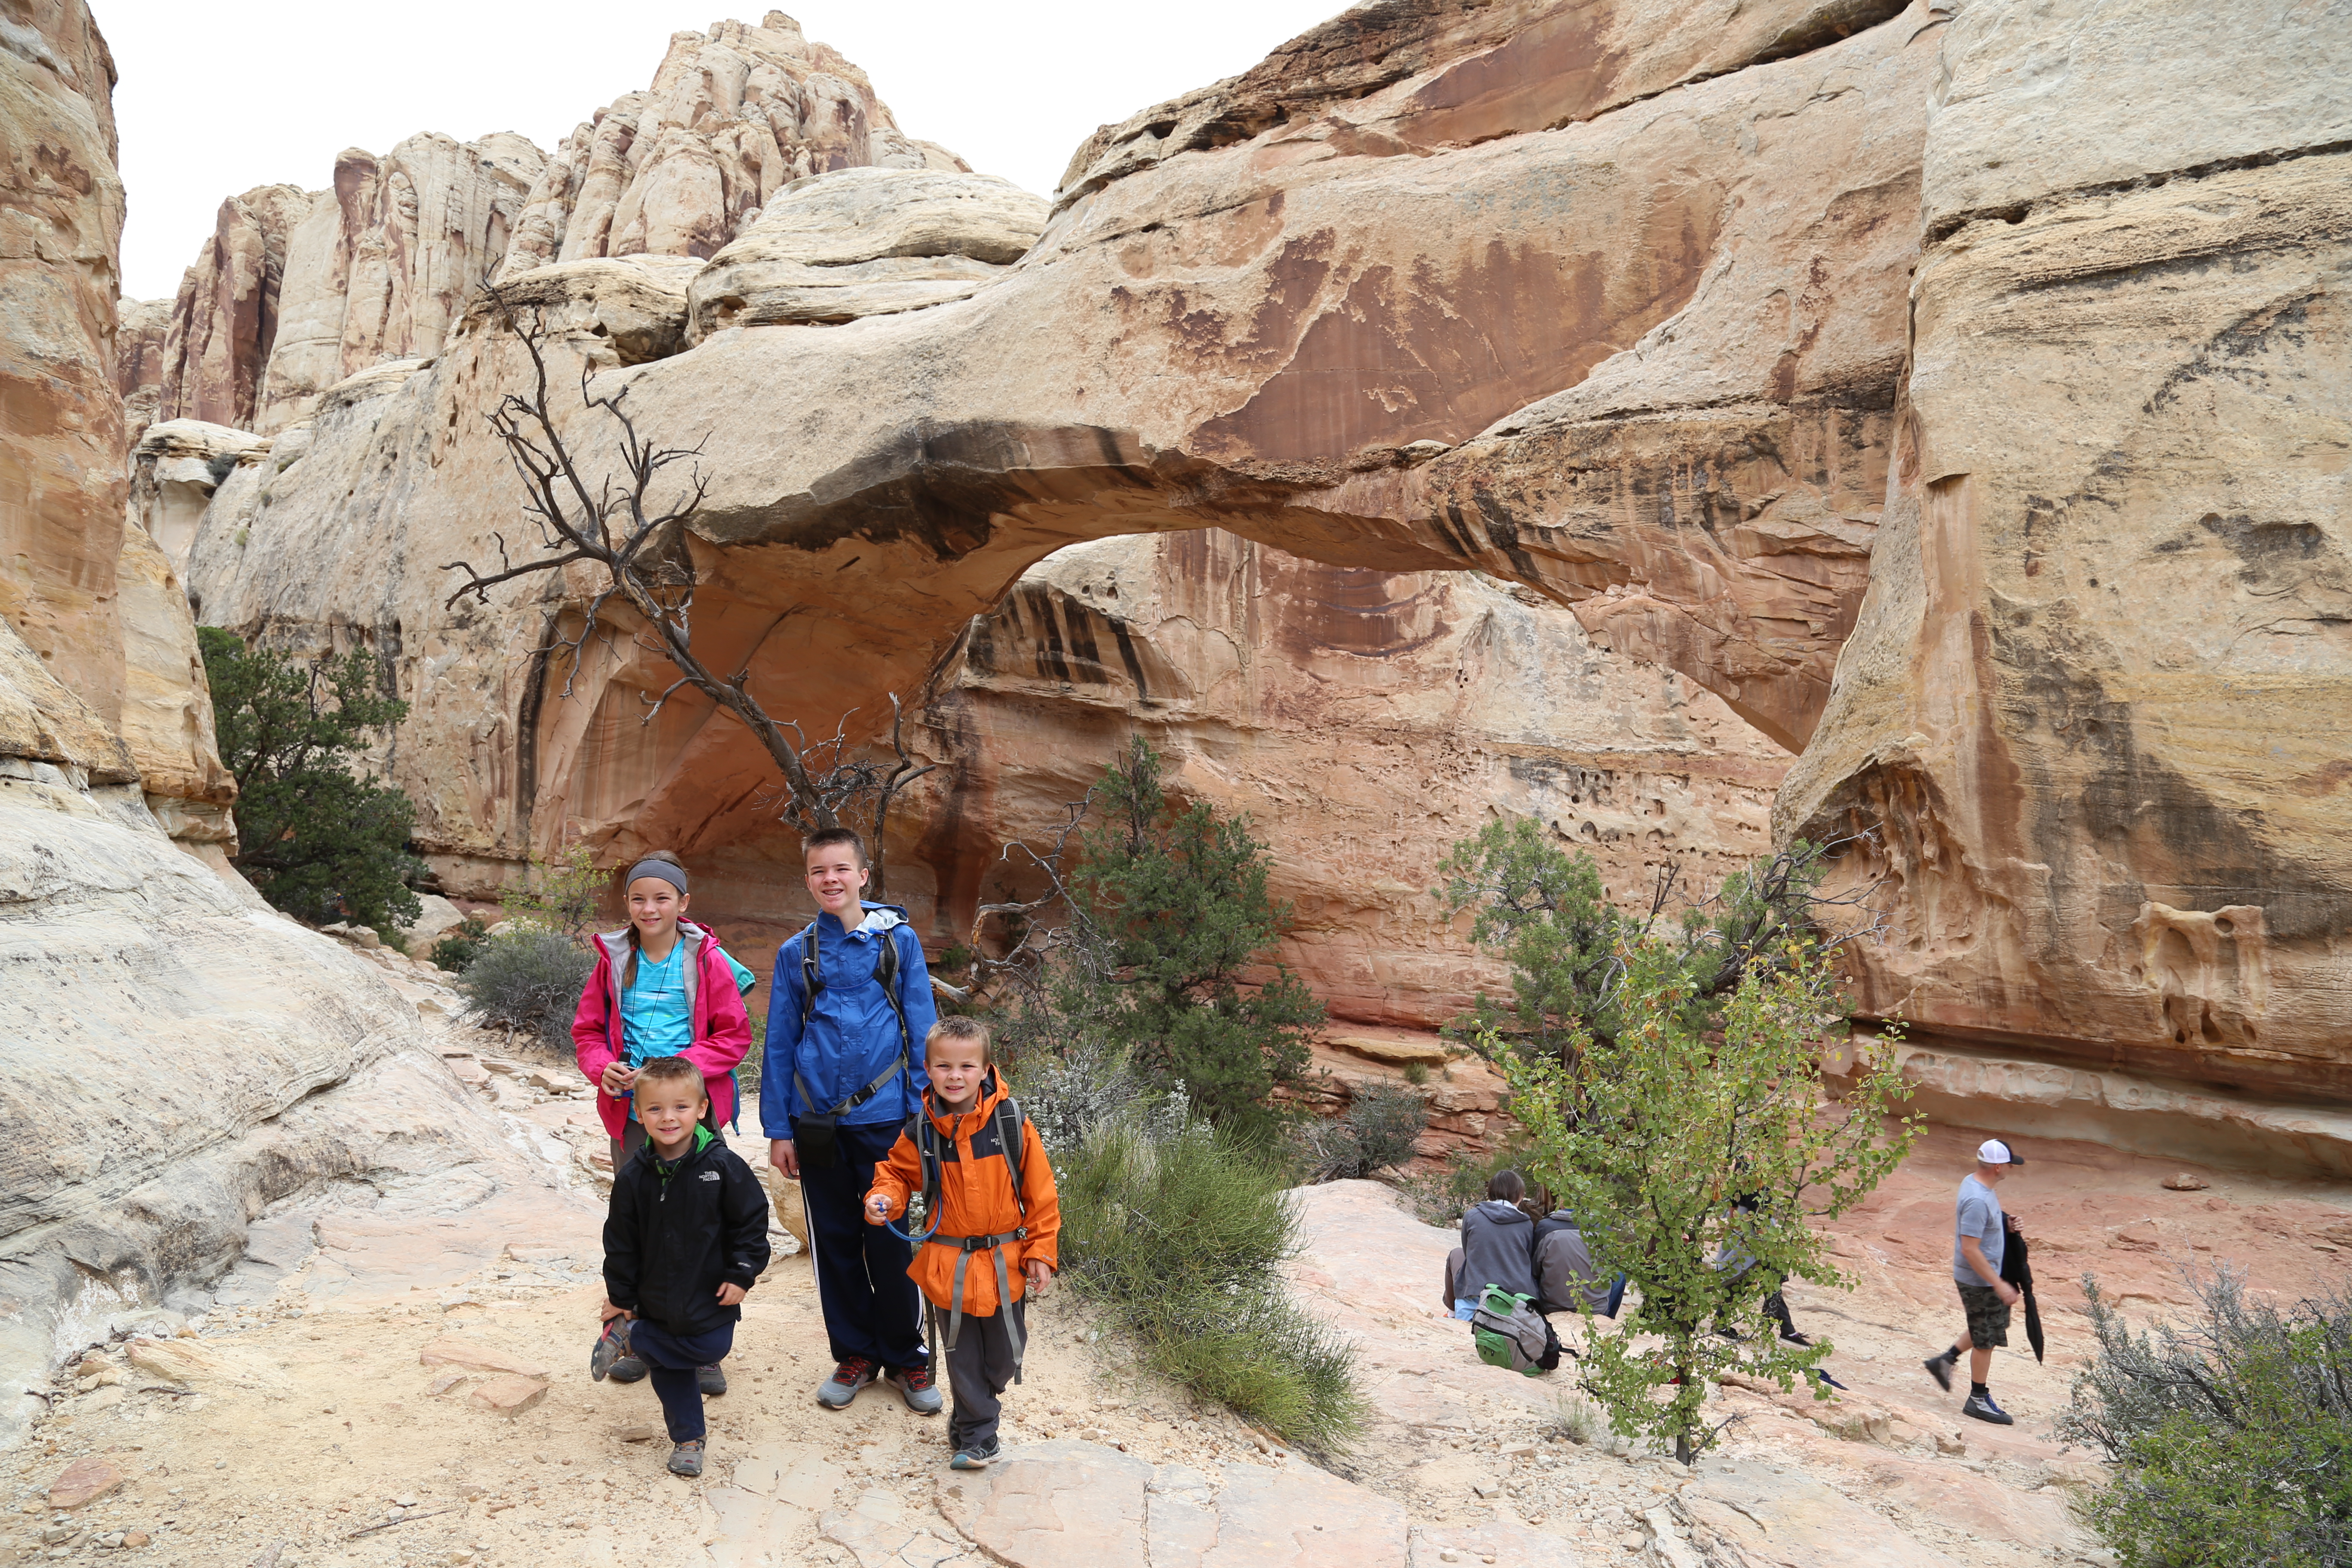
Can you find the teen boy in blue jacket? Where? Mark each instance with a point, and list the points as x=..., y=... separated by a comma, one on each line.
x=843, y=1072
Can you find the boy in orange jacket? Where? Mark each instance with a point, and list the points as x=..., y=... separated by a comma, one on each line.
x=993, y=1221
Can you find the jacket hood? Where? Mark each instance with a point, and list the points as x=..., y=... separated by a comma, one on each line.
x=879, y=917
x=1503, y=1212
x=993, y=1092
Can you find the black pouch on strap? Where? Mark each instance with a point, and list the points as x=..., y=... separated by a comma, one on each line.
x=812, y=1140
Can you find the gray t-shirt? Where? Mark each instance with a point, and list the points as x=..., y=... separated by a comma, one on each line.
x=1978, y=1215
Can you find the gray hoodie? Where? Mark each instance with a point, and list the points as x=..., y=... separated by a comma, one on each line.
x=1564, y=1267
x=1497, y=1248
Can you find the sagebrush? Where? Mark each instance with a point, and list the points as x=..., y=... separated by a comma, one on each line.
x=1375, y=1133
x=528, y=978
x=2231, y=1435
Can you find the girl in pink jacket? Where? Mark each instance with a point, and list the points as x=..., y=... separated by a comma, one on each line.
x=662, y=987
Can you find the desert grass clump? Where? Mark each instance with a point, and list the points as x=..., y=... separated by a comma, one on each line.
x=1181, y=1238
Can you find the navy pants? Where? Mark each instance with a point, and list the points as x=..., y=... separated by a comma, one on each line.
x=872, y=1308
x=670, y=1362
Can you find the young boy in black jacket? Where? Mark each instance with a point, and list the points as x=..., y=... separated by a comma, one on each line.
x=686, y=1238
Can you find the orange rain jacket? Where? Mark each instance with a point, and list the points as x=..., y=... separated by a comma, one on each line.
x=976, y=1199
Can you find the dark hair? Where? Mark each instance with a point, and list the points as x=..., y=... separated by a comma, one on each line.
x=1507, y=1186
x=666, y=859
x=958, y=1027
x=661, y=1069
x=825, y=836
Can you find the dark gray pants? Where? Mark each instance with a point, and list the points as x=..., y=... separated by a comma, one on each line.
x=979, y=1368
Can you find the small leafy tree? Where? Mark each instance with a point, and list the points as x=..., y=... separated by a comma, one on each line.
x=316, y=841
x=562, y=894
x=1178, y=906
x=2232, y=1437
x=1695, y=1158
x=1545, y=912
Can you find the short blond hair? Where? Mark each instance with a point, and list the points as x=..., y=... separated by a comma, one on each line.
x=959, y=1027
x=661, y=1069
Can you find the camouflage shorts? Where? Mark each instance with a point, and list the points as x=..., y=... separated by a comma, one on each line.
x=1988, y=1316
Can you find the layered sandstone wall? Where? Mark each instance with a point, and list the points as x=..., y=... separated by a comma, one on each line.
x=174, y=1057
x=61, y=483
x=2096, y=703
x=101, y=671
x=1366, y=720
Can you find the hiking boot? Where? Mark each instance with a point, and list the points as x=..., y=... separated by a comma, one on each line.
x=916, y=1387
x=711, y=1380
x=1981, y=1406
x=974, y=1456
x=686, y=1458
x=1939, y=1367
x=1791, y=1337
x=612, y=1348
x=838, y=1391
x=628, y=1369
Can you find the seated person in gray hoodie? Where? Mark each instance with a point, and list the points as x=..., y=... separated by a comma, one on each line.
x=1566, y=1277
x=1497, y=1247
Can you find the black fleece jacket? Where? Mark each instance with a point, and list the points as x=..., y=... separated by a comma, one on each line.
x=676, y=1232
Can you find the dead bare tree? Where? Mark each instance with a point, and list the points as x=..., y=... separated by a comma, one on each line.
x=614, y=524
x=1011, y=944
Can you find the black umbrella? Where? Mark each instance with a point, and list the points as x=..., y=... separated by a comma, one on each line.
x=2020, y=1273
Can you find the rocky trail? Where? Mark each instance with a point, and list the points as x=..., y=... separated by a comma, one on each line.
x=401, y=1379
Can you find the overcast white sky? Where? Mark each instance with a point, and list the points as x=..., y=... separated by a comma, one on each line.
x=216, y=98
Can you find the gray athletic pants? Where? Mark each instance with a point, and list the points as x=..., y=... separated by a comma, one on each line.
x=979, y=1368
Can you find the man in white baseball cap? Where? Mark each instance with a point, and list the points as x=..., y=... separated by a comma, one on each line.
x=1979, y=1236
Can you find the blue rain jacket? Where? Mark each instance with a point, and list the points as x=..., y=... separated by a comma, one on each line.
x=852, y=1034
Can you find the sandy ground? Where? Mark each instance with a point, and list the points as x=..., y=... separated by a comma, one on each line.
x=310, y=1419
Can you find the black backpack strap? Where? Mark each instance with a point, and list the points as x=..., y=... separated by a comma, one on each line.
x=1008, y=1135
x=810, y=981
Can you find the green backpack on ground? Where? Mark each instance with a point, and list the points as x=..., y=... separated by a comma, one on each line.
x=1508, y=1333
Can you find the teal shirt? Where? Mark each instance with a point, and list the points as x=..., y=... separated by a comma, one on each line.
x=654, y=1018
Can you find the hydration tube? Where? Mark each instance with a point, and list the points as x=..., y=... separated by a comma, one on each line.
x=892, y=1226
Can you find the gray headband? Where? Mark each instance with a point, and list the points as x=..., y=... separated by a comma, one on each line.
x=669, y=873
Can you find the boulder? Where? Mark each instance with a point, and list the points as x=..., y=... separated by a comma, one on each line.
x=622, y=311
x=865, y=242
x=440, y=917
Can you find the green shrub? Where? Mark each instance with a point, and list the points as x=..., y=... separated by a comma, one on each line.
x=1180, y=1238
x=1376, y=1132
x=313, y=839
x=562, y=894
x=2232, y=1437
x=456, y=951
x=1175, y=902
x=528, y=978
x=1653, y=1140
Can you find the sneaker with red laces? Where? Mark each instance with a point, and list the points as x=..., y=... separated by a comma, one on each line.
x=838, y=1391
x=916, y=1387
